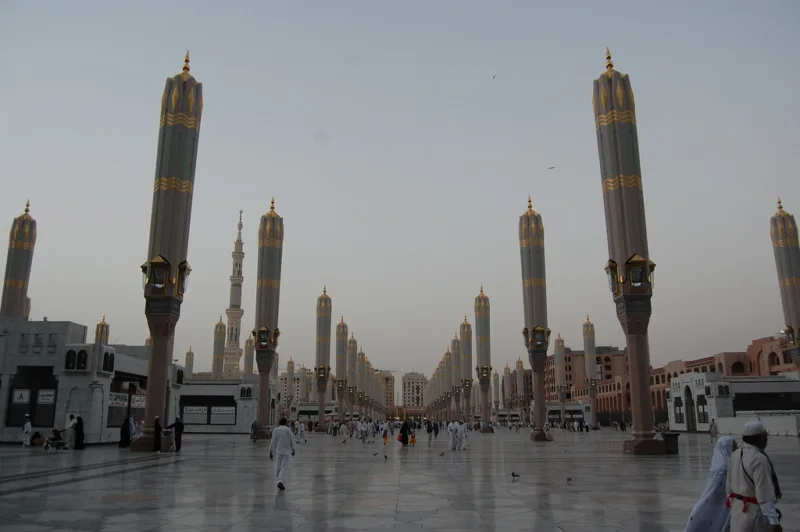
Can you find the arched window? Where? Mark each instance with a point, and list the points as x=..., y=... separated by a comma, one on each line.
x=737, y=368
x=249, y=393
x=111, y=362
x=69, y=363
x=704, y=370
x=719, y=368
x=751, y=366
x=675, y=375
x=774, y=360
x=105, y=362
x=83, y=360
x=242, y=392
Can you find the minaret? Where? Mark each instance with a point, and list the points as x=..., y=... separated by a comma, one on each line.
x=483, y=349
x=629, y=266
x=519, y=377
x=590, y=361
x=534, y=296
x=291, y=388
x=560, y=363
x=21, y=242
x=249, y=356
x=783, y=230
x=508, y=396
x=341, y=367
x=102, y=332
x=465, y=337
x=303, y=384
x=447, y=368
x=167, y=267
x=352, y=374
x=234, y=312
x=361, y=379
x=455, y=350
x=323, y=367
x=268, y=294
x=496, y=391
x=189, y=363
x=217, y=363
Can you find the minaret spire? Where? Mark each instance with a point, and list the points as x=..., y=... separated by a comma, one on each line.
x=21, y=242
x=233, y=350
x=609, y=63
x=186, y=67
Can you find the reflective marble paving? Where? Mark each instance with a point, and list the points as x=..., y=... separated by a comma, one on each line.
x=226, y=483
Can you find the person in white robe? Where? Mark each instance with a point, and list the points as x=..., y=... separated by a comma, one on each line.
x=752, y=486
x=711, y=514
x=27, y=429
x=452, y=432
x=301, y=432
x=281, y=447
x=462, y=436
x=69, y=431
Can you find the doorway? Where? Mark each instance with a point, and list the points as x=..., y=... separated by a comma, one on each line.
x=691, y=412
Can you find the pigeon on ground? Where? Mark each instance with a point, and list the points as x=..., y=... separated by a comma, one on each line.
x=514, y=475
x=375, y=454
x=441, y=454
x=344, y=440
x=569, y=480
x=385, y=457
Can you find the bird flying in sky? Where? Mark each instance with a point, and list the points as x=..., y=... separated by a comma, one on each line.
x=551, y=167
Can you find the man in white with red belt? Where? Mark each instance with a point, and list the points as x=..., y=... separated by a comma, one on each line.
x=752, y=485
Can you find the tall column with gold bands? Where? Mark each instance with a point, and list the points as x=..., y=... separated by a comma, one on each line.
x=341, y=367
x=465, y=337
x=783, y=231
x=21, y=243
x=268, y=294
x=629, y=265
x=534, y=299
x=483, y=353
x=167, y=267
x=323, y=369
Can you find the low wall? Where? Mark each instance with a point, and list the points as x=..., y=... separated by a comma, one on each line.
x=786, y=425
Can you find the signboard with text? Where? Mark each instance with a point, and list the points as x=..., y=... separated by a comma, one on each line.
x=46, y=397
x=195, y=415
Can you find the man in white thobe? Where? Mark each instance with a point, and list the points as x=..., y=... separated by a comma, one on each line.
x=26, y=431
x=461, y=430
x=452, y=431
x=301, y=432
x=69, y=431
x=282, y=448
x=752, y=485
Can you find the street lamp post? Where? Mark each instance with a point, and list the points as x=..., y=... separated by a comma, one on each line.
x=537, y=342
x=266, y=341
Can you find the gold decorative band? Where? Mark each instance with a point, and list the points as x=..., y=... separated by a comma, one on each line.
x=531, y=242
x=533, y=281
x=481, y=313
x=21, y=244
x=784, y=242
x=622, y=181
x=789, y=281
x=15, y=283
x=324, y=313
x=323, y=339
x=270, y=243
x=173, y=183
x=179, y=119
x=615, y=117
x=268, y=283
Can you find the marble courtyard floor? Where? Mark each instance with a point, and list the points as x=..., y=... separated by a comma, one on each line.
x=226, y=483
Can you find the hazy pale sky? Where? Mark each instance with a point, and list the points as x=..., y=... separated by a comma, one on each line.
x=401, y=166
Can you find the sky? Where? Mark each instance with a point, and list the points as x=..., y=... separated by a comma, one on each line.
x=401, y=141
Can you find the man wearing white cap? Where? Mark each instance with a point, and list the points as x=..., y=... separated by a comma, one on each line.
x=752, y=485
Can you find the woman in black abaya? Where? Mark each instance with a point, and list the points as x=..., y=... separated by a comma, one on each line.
x=80, y=437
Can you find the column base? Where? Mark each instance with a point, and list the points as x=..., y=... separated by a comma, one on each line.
x=646, y=446
x=320, y=428
x=487, y=430
x=538, y=435
x=144, y=443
